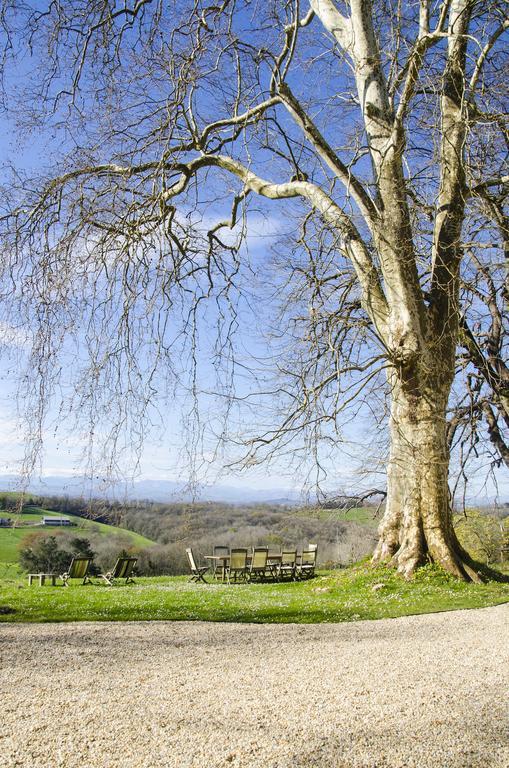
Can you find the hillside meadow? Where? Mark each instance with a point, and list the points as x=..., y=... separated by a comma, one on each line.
x=30, y=522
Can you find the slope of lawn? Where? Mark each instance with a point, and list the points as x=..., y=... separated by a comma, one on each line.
x=10, y=538
x=359, y=592
x=362, y=515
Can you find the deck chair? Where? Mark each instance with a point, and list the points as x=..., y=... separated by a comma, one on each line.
x=237, y=566
x=307, y=562
x=219, y=566
x=258, y=567
x=122, y=569
x=78, y=569
x=287, y=568
x=196, y=571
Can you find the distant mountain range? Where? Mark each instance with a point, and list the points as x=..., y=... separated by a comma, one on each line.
x=153, y=490
x=168, y=491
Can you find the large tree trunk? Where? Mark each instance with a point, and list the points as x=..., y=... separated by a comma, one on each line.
x=417, y=524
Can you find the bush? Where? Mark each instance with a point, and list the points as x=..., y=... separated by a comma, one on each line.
x=482, y=535
x=43, y=554
x=163, y=560
x=108, y=549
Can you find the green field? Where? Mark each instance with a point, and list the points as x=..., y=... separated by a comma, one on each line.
x=359, y=592
x=10, y=538
x=362, y=515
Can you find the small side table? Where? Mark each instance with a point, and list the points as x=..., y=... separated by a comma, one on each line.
x=42, y=578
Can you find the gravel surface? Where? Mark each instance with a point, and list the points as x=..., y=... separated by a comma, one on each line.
x=417, y=691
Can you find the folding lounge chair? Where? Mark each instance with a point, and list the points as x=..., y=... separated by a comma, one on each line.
x=196, y=571
x=78, y=569
x=258, y=568
x=238, y=564
x=122, y=569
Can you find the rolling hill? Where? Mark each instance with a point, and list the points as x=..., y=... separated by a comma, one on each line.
x=30, y=521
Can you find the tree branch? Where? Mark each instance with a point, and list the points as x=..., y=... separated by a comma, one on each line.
x=374, y=300
x=352, y=185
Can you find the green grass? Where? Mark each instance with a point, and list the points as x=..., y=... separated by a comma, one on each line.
x=10, y=538
x=361, y=515
x=336, y=596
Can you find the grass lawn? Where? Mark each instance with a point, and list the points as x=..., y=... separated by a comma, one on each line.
x=362, y=515
x=11, y=537
x=346, y=595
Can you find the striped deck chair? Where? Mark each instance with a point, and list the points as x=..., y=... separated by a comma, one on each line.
x=122, y=569
x=78, y=569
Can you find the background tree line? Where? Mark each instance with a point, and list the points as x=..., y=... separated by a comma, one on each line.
x=343, y=535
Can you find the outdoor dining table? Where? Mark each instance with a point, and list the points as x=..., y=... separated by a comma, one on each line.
x=216, y=559
x=273, y=560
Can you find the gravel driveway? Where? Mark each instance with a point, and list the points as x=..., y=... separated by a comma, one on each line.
x=418, y=691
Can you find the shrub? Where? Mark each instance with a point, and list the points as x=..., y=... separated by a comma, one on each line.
x=45, y=553
x=482, y=535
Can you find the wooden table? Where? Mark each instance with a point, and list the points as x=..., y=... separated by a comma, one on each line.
x=215, y=560
x=273, y=560
x=42, y=578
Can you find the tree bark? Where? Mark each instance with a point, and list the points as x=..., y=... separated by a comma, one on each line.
x=417, y=524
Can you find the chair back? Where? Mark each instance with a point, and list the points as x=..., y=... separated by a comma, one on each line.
x=124, y=567
x=259, y=558
x=312, y=546
x=289, y=557
x=238, y=559
x=79, y=566
x=221, y=551
x=309, y=556
x=190, y=557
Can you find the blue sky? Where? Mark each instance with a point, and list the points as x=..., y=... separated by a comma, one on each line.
x=163, y=456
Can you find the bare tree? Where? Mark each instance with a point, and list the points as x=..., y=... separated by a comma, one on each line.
x=381, y=127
